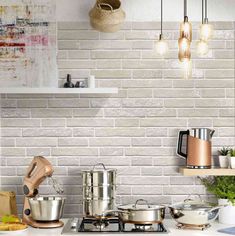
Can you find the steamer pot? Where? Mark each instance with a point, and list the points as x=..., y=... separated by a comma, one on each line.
x=99, y=190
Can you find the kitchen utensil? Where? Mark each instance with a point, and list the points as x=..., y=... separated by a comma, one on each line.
x=107, y=16
x=194, y=212
x=141, y=214
x=48, y=208
x=198, y=147
x=99, y=190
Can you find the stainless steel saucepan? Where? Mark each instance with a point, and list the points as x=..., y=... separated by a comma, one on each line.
x=140, y=214
x=191, y=212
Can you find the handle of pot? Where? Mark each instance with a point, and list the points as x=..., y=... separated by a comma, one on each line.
x=215, y=208
x=180, y=143
x=189, y=199
x=113, y=211
x=141, y=200
x=99, y=164
x=105, y=4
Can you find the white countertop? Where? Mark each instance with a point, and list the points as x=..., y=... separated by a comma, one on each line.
x=170, y=224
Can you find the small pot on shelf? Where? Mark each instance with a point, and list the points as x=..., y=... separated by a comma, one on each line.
x=231, y=158
x=223, y=157
x=223, y=161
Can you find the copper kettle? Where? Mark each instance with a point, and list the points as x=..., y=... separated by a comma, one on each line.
x=197, y=148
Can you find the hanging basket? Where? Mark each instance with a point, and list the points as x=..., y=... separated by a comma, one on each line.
x=107, y=16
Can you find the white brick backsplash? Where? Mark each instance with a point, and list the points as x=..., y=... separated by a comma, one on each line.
x=15, y=113
x=64, y=142
x=56, y=132
x=146, y=142
x=26, y=103
x=59, y=122
x=43, y=113
x=74, y=151
x=147, y=190
x=38, y=152
x=135, y=130
x=151, y=122
x=68, y=103
x=36, y=142
x=83, y=122
x=7, y=142
x=99, y=54
x=127, y=122
x=13, y=122
x=97, y=142
x=119, y=132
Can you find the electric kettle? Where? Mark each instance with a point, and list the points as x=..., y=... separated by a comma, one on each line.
x=197, y=148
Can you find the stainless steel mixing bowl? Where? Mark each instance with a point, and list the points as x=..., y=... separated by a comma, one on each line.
x=48, y=208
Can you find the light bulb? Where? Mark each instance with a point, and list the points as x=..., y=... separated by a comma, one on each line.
x=202, y=47
x=184, y=44
x=206, y=31
x=187, y=68
x=161, y=47
x=184, y=49
x=186, y=29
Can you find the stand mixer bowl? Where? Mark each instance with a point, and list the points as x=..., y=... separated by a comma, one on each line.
x=47, y=208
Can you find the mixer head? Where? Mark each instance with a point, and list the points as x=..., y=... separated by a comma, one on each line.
x=39, y=169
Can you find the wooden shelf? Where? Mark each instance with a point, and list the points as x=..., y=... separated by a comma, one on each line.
x=213, y=171
x=47, y=90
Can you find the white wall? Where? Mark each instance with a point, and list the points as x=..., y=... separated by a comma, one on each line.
x=149, y=10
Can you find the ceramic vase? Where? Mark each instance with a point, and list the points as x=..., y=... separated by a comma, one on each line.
x=226, y=213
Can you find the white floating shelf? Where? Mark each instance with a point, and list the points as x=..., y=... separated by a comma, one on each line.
x=46, y=90
x=213, y=171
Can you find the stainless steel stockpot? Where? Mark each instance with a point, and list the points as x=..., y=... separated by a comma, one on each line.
x=104, y=192
x=192, y=212
x=46, y=208
x=99, y=177
x=99, y=190
x=141, y=214
x=97, y=207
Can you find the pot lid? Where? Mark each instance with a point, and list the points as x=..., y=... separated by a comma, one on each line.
x=95, y=170
x=192, y=205
x=138, y=207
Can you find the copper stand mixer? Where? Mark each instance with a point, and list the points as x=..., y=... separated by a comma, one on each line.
x=39, y=169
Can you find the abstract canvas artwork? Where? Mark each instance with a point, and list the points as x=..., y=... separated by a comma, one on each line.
x=28, y=43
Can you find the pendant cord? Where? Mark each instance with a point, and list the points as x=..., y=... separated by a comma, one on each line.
x=185, y=8
x=202, y=11
x=206, y=9
x=161, y=15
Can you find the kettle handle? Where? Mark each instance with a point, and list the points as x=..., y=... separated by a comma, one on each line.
x=180, y=142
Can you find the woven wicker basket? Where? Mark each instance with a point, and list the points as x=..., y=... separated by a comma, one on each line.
x=107, y=16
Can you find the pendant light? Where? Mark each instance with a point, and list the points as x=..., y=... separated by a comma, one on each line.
x=161, y=44
x=206, y=29
x=185, y=37
x=202, y=45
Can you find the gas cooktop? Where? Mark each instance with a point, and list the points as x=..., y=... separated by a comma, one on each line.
x=110, y=225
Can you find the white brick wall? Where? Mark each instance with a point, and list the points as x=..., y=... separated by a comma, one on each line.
x=135, y=130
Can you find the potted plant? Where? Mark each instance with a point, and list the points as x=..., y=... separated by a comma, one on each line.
x=231, y=157
x=223, y=187
x=223, y=157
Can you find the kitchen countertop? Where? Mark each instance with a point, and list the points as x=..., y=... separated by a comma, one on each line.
x=170, y=224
